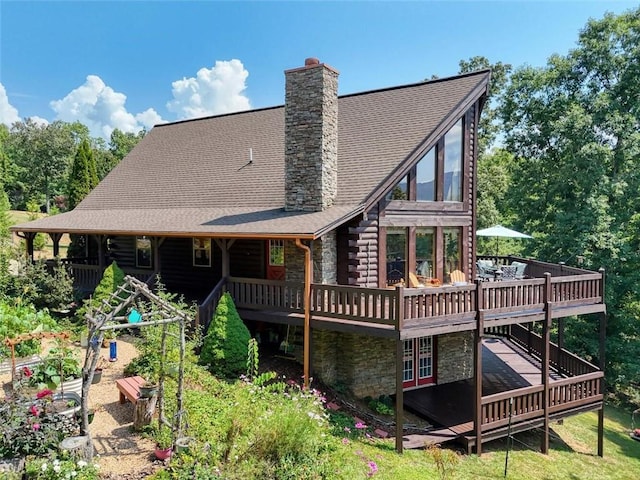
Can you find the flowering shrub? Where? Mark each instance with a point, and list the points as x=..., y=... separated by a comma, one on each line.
x=59, y=469
x=31, y=427
x=59, y=366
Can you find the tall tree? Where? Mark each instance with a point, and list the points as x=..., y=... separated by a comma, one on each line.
x=574, y=127
x=42, y=153
x=83, y=177
x=493, y=161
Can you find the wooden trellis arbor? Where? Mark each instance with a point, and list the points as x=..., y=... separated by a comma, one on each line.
x=111, y=315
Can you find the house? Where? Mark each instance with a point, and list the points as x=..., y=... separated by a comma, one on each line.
x=325, y=218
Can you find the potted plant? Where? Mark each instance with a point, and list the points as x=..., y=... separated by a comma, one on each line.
x=60, y=370
x=164, y=443
x=148, y=389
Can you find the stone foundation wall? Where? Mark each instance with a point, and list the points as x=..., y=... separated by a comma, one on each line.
x=454, y=357
x=364, y=365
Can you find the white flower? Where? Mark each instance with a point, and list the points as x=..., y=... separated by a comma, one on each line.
x=56, y=468
x=43, y=467
x=82, y=464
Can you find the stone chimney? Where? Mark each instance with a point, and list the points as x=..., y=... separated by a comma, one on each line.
x=311, y=137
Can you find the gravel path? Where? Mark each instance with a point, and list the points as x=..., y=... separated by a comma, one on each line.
x=118, y=449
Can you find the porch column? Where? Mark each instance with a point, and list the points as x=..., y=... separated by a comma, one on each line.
x=225, y=245
x=602, y=354
x=399, y=395
x=55, y=238
x=29, y=237
x=546, y=337
x=100, y=239
x=477, y=383
x=477, y=363
x=399, y=370
x=156, y=244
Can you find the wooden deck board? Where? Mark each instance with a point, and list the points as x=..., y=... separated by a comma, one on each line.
x=451, y=404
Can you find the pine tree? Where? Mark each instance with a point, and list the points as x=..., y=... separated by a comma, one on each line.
x=80, y=178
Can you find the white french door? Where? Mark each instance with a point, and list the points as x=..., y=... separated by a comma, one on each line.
x=418, y=362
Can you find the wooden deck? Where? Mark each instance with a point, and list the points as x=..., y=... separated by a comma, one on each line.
x=506, y=371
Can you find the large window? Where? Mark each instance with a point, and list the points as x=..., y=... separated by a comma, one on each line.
x=453, y=164
x=144, y=254
x=425, y=253
x=452, y=251
x=426, y=177
x=396, y=255
x=399, y=192
x=276, y=253
x=201, y=252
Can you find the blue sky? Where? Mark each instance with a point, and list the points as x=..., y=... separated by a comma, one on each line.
x=129, y=64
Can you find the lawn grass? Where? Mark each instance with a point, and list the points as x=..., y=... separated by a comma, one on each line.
x=572, y=455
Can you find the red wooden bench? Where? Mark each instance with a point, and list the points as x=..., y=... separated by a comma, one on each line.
x=129, y=388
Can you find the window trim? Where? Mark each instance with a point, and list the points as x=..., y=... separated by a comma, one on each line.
x=195, y=249
x=139, y=249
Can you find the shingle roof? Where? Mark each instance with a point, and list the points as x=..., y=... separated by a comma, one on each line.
x=183, y=174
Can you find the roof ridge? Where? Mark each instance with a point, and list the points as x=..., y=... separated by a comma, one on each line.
x=347, y=95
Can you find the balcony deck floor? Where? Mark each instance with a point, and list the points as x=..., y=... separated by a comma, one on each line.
x=450, y=405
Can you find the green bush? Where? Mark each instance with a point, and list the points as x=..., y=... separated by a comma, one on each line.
x=224, y=350
x=42, y=286
x=17, y=319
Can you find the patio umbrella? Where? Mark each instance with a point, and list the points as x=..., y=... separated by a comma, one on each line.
x=500, y=231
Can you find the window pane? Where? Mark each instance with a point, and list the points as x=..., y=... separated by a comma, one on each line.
x=425, y=253
x=399, y=192
x=276, y=252
x=452, y=251
x=396, y=255
x=426, y=176
x=407, y=361
x=453, y=164
x=202, y=252
x=143, y=252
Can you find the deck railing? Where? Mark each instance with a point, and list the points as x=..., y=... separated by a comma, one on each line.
x=87, y=277
x=207, y=308
x=560, y=360
x=400, y=306
x=528, y=403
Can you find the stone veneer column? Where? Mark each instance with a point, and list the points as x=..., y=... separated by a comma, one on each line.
x=311, y=137
x=324, y=258
x=455, y=357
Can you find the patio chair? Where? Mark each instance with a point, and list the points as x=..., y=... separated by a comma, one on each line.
x=509, y=272
x=458, y=277
x=520, y=269
x=485, y=270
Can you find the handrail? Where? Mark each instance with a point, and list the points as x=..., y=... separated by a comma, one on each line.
x=527, y=403
x=561, y=360
x=208, y=306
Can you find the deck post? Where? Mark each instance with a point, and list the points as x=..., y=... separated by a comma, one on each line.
x=546, y=335
x=399, y=395
x=603, y=335
x=477, y=363
x=399, y=370
x=55, y=238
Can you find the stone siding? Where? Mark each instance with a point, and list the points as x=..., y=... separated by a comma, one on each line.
x=455, y=357
x=324, y=258
x=364, y=365
x=311, y=138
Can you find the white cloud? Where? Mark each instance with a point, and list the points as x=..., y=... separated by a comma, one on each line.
x=101, y=109
x=39, y=120
x=8, y=113
x=213, y=91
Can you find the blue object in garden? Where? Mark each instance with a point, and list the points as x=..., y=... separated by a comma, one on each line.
x=113, y=351
x=134, y=316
